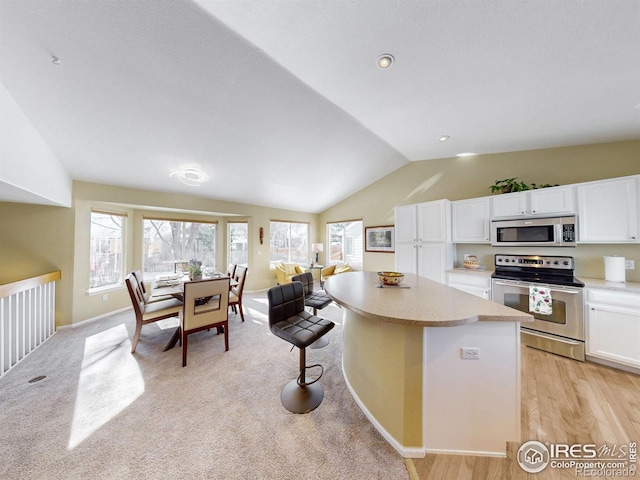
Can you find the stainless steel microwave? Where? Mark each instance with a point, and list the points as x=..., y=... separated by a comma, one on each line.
x=539, y=232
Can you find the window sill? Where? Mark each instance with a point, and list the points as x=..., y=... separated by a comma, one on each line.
x=102, y=290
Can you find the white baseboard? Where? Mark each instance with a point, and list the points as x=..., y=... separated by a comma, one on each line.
x=406, y=452
x=93, y=319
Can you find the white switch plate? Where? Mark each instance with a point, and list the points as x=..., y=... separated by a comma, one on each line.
x=470, y=353
x=630, y=264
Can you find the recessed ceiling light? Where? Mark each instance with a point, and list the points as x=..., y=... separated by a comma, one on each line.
x=385, y=60
x=444, y=138
x=191, y=176
x=466, y=154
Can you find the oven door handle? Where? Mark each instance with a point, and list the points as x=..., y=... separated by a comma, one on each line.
x=549, y=337
x=516, y=283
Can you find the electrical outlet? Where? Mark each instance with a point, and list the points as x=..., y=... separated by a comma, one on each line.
x=470, y=353
x=630, y=264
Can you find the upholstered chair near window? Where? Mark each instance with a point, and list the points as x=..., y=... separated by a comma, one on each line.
x=284, y=271
x=206, y=306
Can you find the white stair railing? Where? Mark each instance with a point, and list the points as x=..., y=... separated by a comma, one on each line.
x=27, y=317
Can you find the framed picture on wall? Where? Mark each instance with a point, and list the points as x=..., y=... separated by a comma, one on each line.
x=379, y=239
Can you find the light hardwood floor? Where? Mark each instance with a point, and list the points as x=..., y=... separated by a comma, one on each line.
x=563, y=401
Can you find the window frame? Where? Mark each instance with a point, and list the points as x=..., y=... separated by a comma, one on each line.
x=123, y=251
x=215, y=223
x=356, y=258
x=229, y=243
x=307, y=257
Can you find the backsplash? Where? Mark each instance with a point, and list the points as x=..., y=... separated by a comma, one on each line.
x=589, y=259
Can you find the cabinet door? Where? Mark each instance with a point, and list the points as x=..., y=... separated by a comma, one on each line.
x=434, y=259
x=552, y=200
x=406, y=257
x=614, y=334
x=608, y=212
x=433, y=224
x=470, y=221
x=406, y=224
x=509, y=205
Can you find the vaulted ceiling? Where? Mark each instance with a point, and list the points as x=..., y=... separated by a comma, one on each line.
x=278, y=100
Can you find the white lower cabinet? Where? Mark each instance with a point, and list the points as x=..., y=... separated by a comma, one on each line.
x=473, y=283
x=613, y=327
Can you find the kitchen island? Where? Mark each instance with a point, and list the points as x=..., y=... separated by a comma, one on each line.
x=403, y=362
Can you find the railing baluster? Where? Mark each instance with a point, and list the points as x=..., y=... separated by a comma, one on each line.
x=27, y=317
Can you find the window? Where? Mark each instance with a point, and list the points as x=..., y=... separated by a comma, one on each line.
x=345, y=243
x=106, y=249
x=289, y=242
x=238, y=234
x=167, y=242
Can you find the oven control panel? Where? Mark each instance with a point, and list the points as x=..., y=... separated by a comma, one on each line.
x=534, y=261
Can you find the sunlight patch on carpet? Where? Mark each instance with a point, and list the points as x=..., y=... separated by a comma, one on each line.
x=110, y=380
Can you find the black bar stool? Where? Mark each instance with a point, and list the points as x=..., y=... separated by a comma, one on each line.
x=290, y=321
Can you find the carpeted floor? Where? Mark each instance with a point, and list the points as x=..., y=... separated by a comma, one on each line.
x=102, y=412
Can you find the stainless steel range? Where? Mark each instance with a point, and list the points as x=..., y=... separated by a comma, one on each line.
x=545, y=287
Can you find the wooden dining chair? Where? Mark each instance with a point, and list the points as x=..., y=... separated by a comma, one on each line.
x=235, y=294
x=148, y=312
x=206, y=306
x=231, y=270
x=146, y=294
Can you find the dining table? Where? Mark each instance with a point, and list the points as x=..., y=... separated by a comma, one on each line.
x=174, y=286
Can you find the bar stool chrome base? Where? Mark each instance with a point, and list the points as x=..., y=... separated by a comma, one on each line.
x=298, y=399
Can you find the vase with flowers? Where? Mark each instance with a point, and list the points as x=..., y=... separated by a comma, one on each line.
x=195, y=269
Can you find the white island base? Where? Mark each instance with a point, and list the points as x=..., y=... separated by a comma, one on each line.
x=423, y=397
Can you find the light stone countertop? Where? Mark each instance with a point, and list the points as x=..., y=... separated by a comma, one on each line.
x=425, y=303
x=467, y=271
x=625, y=287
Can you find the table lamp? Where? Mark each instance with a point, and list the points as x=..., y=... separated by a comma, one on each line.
x=317, y=248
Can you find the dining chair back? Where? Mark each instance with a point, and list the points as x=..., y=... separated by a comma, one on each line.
x=148, y=312
x=231, y=270
x=206, y=306
x=235, y=294
x=146, y=294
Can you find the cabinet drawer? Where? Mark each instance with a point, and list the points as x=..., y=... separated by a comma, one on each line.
x=620, y=299
x=471, y=280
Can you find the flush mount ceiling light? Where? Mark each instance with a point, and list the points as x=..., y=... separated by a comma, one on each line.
x=55, y=60
x=466, y=154
x=385, y=60
x=444, y=138
x=191, y=176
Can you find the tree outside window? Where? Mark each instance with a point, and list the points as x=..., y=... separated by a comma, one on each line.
x=238, y=243
x=106, y=250
x=345, y=240
x=289, y=242
x=167, y=242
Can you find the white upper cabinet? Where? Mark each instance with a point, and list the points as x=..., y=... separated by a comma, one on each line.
x=434, y=221
x=423, y=237
x=470, y=220
x=552, y=200
x=543, y=201
x=406, y=227
x=608, y=211
x=509, y=205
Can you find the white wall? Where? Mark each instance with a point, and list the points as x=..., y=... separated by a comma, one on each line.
x=29, y=171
